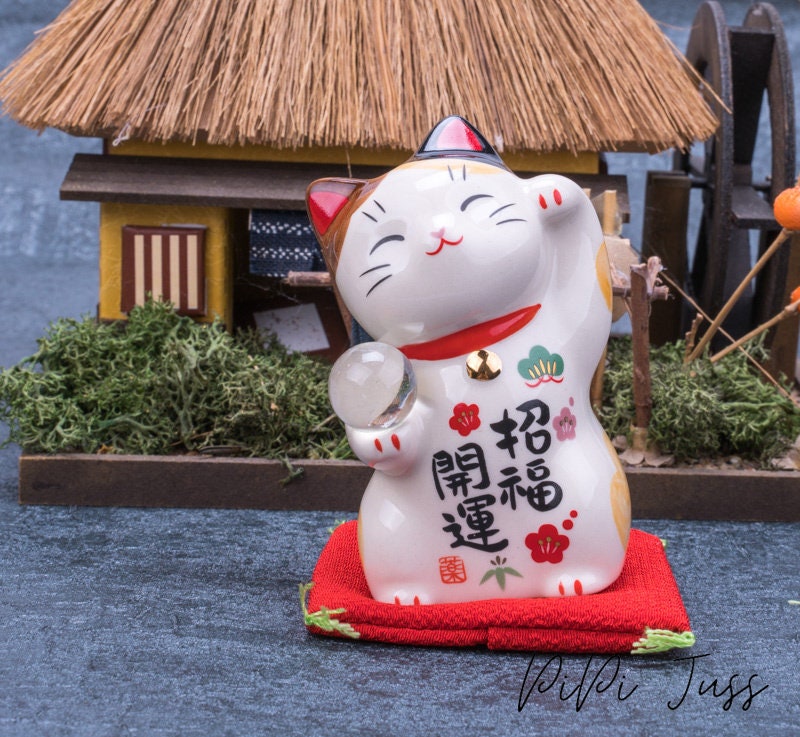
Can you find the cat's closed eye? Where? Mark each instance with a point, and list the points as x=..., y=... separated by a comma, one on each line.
x=386, y=239
x=467, y=202
x=496, y=212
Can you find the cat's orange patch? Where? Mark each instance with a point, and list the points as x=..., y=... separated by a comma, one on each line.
x=603, y=269
x=621, y=506
x=473, y=167
x=620, y=497
x=360, y=538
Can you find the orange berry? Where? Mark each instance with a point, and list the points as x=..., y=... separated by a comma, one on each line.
x=787, y=208
x=795, y=296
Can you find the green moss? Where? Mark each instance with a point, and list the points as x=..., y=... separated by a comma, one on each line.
x=163, y=384
x=702, y=409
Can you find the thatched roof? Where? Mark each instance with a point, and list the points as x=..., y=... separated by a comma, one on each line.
x=532, y=75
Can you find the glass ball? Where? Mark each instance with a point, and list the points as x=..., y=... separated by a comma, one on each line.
x=372, y=386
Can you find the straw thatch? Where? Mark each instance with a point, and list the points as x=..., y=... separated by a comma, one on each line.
x=532, y=75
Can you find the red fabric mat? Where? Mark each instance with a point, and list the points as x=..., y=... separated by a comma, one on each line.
x=645, y=598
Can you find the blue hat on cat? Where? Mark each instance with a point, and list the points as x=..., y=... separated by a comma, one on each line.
x=454, y=136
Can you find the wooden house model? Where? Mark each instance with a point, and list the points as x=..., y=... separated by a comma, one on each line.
x=216, y=114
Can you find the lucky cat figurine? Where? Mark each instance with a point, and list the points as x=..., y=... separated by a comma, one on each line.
x=499, y=482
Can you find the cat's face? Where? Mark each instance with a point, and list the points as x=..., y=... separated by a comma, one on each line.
x=438, y=245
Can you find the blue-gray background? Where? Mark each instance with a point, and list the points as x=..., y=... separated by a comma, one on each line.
x=176, y=622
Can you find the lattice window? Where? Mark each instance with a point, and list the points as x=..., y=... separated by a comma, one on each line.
x=282, y=241
x=166, y=262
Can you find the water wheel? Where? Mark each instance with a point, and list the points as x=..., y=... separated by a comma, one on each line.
x=743, y=66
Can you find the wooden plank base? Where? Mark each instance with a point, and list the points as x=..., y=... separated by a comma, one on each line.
x=190, y=482
x=250, y=483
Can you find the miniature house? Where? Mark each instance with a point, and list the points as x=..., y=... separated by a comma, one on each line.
x=215, y=116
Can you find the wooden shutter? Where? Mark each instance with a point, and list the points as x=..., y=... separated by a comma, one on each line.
x=165, y=262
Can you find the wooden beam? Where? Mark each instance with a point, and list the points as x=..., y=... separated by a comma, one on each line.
x=202, y=182
x=268, y=185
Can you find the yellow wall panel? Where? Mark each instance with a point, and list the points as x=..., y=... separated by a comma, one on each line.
x=218, y=252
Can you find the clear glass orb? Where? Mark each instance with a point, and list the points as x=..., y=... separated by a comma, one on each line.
x=372, y=385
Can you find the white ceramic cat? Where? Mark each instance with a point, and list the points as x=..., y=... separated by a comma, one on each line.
x=500, y=482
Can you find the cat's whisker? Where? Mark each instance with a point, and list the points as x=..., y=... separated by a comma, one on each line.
x=500, y=209
x=374, y=268
x=378, y=283
x=380, y=206
x=374, y=219
x=513, y=220
x=450, y=171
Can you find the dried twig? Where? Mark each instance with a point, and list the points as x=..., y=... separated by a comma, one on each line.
x=766, y=374
x=780, y=239
x=790, y=310
x=644, y=278
x=691, y=336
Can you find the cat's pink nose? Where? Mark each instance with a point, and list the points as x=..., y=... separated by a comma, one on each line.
x=438, y=234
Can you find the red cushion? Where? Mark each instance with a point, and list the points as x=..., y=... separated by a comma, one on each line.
x=645, y=597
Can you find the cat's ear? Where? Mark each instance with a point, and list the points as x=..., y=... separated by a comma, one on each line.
x=455, y=136
x=326, y=198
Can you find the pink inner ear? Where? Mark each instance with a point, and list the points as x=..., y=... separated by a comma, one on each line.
x=324, y=206
x=457, y=136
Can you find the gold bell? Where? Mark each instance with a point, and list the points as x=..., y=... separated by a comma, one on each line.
x=483, y=365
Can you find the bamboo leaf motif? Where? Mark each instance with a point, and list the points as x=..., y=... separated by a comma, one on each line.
x=500, y=572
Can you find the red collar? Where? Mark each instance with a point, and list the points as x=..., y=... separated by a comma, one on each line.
x=471, y=339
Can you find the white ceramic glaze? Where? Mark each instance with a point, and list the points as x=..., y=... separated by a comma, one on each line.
x=489, y=487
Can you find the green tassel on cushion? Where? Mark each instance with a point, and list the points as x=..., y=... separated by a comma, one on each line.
x=322, y=618
x=659, y=641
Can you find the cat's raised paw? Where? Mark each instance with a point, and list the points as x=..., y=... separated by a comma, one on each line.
x=556, y=200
